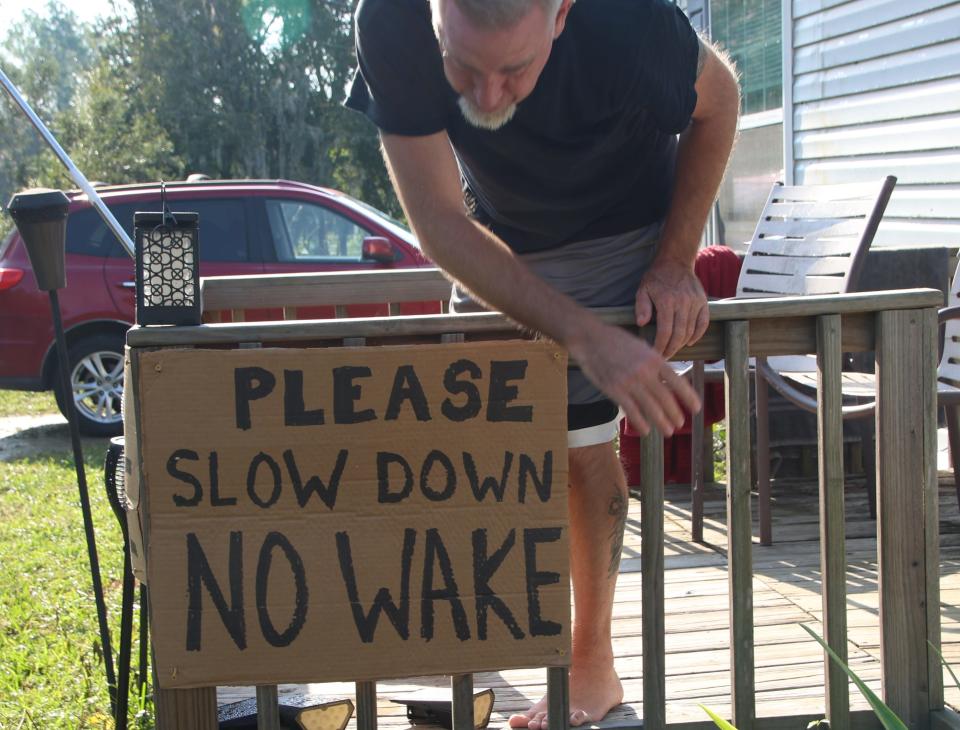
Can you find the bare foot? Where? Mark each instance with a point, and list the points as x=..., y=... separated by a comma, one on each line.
x=593, y=693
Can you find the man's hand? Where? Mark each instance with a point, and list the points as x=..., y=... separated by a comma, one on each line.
x=637, y=377
x=672, y=289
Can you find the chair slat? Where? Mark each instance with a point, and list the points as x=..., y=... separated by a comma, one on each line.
x=798, y=265
x=770, y=285
x=819, y=209
x=801, y=247
x=843, y=191
x=816, y=228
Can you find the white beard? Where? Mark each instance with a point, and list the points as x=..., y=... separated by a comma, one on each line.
x=490, y=121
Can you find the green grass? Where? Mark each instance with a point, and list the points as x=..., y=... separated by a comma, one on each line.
x=51, y=668
x=24, y=403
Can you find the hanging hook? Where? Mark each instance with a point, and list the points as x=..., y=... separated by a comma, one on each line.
x=168, y=220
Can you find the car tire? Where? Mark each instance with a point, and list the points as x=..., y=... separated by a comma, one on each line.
x=96, y=377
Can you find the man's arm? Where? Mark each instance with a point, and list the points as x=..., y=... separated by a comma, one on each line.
x=670, y=286
x=425, y=174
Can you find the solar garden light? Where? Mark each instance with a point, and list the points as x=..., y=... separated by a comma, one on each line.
x=41, y=218
x=168, y=273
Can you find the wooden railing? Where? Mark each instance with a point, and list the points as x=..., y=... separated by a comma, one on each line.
x=900, y=327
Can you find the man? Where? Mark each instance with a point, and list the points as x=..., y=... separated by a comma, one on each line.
x=533, y=145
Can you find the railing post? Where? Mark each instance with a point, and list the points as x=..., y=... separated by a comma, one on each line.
x=558, y=697
x=462, y=704
x=907, y=526
x=651, y=574
x=268, y=707
x=739, y=523
x=833, y=561
x=698, y=458
x=186, y=708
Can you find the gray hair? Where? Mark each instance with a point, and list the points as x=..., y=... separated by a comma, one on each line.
x=497, y=13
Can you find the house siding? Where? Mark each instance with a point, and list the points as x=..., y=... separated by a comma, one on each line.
x=876, y=91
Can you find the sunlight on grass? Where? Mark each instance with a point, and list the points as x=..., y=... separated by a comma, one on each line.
x=25, y=403
x=51, y=667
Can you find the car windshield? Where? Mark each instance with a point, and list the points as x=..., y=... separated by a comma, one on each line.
x=398, y=228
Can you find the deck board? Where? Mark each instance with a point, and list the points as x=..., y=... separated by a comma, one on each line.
x=786, y=584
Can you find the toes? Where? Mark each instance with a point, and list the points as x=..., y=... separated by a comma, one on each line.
x=579, y=717
x=519, y=721
x=539, y=721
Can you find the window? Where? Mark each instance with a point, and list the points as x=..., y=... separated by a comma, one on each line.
x=304, y=232
x=223, y=228
x=750, y=32
x=88, y=235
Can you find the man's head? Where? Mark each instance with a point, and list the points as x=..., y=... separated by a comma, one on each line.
x=494, y=51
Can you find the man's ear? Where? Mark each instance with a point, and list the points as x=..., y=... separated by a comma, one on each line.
x=561, y=17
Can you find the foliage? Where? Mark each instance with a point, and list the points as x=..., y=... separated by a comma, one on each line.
x=162, y=88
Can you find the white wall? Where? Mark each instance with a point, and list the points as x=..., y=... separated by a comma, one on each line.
x=876, y=91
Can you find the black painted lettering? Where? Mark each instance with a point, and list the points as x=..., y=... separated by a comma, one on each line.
x=295, y=411
x=199, y=572
x=252, y=473
x=327, y=492
x=438, y=457
x=484, y=567
x=471, y=408
x=250, y=384
x=301, y=596
x=435, y=552
x=532, y=537
x=489, y=484
x=542, y=483
x=346, y=393
x=187, y=478
x=384, y=495
x=502, y=393
x=215, y=499
x=399, y=615
x=406, y=387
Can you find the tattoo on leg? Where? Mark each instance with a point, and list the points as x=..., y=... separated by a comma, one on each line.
x=618, y=510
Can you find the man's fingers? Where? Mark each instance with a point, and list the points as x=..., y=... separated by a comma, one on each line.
x=638, y=422
x=683, y=391
x=664, y=327
x=681, y=332
x=644, y=308
x=703, y=321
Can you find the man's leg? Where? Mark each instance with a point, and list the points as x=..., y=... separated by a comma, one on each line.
x=598, y=515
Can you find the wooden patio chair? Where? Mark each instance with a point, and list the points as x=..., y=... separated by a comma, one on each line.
x=800, y=388
x=810, y=239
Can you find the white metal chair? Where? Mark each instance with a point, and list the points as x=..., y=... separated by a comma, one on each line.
x=809, y=240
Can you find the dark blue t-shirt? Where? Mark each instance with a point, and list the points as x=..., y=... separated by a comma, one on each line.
x=589, y=153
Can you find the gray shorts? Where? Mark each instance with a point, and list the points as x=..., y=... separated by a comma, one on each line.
x=602, y=272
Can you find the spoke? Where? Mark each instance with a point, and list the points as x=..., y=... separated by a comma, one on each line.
x=88, y=365
x=82, y=390
x=117, y=369
x=102, y=407
x=97, y=361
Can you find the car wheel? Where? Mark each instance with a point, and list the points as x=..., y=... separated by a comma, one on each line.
x=96, y=381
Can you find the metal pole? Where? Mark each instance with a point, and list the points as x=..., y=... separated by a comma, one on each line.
x=78, y=177
x=84, y=501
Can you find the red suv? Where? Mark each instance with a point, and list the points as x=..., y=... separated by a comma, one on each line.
x=246, y=227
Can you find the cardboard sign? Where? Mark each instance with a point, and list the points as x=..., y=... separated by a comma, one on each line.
x=335, y=514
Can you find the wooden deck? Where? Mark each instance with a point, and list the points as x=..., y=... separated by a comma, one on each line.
x=786, y=585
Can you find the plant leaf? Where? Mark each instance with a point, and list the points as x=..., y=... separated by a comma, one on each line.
x=717, y=720
x=944, y=663
x=887, y=717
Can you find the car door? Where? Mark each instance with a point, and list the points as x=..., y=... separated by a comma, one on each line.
x=227, y=246
x=309, y=236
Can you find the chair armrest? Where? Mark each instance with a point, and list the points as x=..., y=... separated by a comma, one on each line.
x=948, y=313
x=801, y=399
